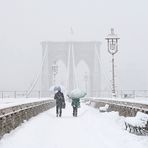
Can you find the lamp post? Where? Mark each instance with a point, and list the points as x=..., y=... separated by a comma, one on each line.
x=112, y=41
x=54, y=71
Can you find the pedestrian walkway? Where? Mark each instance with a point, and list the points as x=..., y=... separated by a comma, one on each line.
x=91, y=129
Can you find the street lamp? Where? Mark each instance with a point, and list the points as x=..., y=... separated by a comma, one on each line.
x=112, y=41
x=54, y=71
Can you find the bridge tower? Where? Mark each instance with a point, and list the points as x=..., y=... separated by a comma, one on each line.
x=72, y=53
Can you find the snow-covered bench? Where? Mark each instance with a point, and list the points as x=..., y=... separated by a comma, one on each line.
x=88, y=102
x=138, y=124
x=104, y=108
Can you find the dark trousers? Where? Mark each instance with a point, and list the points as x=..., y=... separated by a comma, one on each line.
x=59, y=110
x=75, y=111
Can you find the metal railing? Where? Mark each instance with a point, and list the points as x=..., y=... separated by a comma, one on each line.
x=101, y=93
x=22, y=94
x=122, y=93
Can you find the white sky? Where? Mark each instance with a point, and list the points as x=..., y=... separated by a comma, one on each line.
x=24, y=23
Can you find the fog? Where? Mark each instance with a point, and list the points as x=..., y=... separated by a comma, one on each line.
x=25, y=23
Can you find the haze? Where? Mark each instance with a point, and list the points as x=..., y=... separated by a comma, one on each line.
x=25, y=23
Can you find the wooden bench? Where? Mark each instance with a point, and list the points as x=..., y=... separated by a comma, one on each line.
x=137, y=125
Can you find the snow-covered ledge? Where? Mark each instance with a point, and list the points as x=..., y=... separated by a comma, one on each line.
x=127, y=108
x=12, y=116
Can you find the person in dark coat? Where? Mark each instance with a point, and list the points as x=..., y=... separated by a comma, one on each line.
x=60, y=102
x=75, y=104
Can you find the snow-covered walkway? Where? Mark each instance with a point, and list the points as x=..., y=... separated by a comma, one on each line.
x=90, y=129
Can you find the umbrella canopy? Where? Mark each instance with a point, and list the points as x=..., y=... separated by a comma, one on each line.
x=76, y=93
x=55, y=88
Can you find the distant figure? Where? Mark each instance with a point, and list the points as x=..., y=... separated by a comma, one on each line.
x=75, y=104
x=60, y=102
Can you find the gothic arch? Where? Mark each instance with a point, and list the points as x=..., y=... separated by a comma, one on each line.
x=85, y=51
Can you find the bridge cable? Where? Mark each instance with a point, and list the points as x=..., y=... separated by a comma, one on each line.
x=68, y=67
x=74, y=68
x=38, y=75
x=103, y=72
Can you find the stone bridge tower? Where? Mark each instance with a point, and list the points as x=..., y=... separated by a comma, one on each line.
x=71, y=53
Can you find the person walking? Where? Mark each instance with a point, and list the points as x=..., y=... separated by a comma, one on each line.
x=75, y=96
x=60, y=102
x=75, y=104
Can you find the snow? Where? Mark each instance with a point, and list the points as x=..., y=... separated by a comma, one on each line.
x=132, y=100
x=91, y=129
x=9, y=102
x=139, y=120
x=54, y=88
x=104, y=108
x=77, y=93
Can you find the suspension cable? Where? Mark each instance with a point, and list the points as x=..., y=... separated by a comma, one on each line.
x=68, y=67
x=38, y=75
x=103, y=72
x=74, y=68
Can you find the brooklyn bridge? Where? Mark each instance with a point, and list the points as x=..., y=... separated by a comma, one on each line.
x=106, y=118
